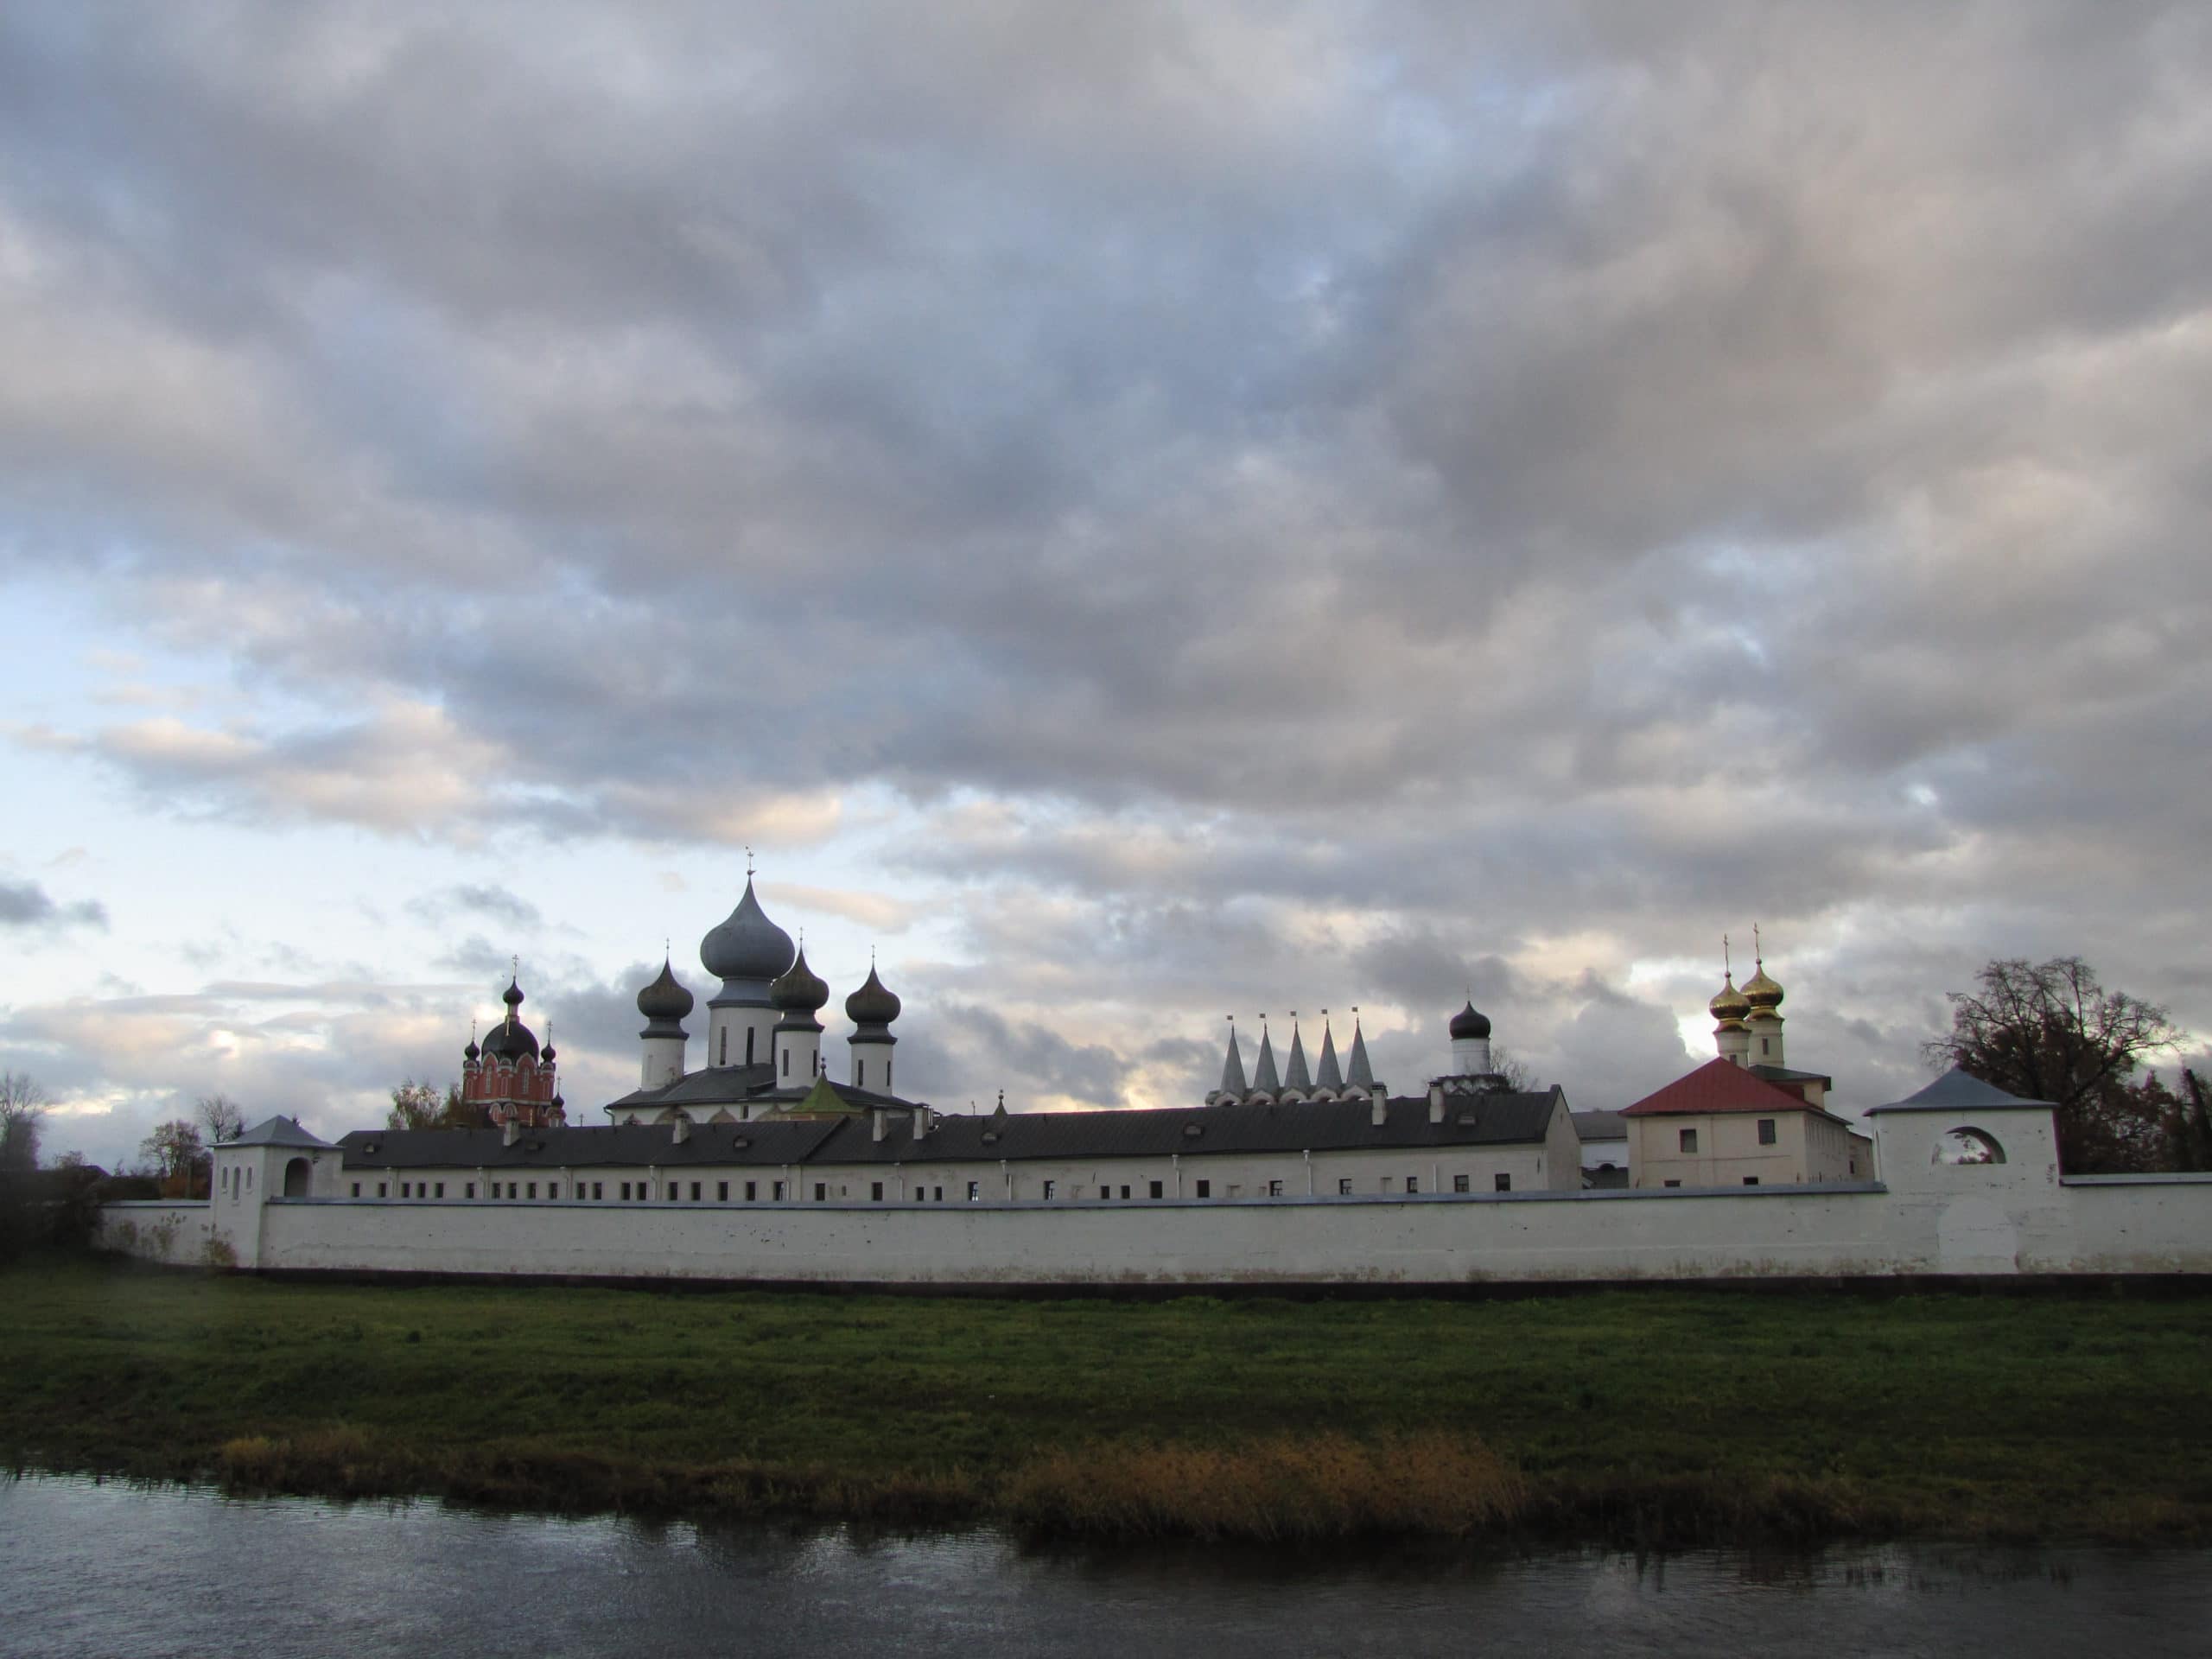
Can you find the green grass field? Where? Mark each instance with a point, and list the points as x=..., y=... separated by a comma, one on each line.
x=1667, y=1416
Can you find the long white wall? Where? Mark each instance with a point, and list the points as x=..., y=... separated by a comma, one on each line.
x=1930, y=1218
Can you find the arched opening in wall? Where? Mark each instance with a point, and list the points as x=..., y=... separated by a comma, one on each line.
x=1965, y=1146
x=295, y=1178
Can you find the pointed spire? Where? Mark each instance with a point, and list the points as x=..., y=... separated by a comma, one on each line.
x=1232, y=1068
x=1264, y=1075
x=1298, y=1077
x=1358, y=1074
x=1329, y=1077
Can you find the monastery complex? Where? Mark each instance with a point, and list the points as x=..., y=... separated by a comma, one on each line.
x=758, y=1164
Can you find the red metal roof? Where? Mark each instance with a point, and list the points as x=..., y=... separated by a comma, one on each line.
x=1718, y=1086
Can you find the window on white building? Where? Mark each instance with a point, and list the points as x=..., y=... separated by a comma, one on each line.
x=1413, y=1183
x=695, y=1191
x=1343, y=1186
x=1458, y=1182
x=778, y=1191
x=441, y=1192
x=1050, y=1188
x=1766, y=1131
x=357, y=1189
x=974, y=1191
x=1275, y=1189
x=1750, y=1180
x=1688, y=1138
x=1158, y=1189
x=1504, y=1183
x=1205, y=1189
x=721, y=1191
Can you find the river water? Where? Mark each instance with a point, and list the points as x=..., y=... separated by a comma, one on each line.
x=107, y=1569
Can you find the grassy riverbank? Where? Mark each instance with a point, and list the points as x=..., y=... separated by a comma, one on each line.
x=1663, y=1415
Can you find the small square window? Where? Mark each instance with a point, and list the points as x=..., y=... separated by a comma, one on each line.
x=1390, y=1183
x=1458, y=1182
x=625, y=1191
x=1413, y=1183
x=1205, y=1189
x=1688, y=1138
x=1275, y=1189
x=751, y=1191
x=721, y=1191
x=1158, y=1189
x=695, y=1191
x=1766, y=1131
x=1750, y=1180
x=974, y=1191
x=1502, y=1183
x=1051, y=1188
x=357, y=1189
x=1343, y=1186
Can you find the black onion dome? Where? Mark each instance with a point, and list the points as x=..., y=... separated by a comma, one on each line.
x=513, y=995
x=510, y=1040
x=1468, y=1023
x=665, y=1001
x=747, y=945
x=799, y=987
x=872, y=1005
x=471, y=1050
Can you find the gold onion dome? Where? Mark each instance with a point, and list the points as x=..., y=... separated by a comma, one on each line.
x=1730, y=1005
x=1761, y=992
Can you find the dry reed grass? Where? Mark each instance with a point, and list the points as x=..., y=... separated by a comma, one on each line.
x=1280, y=1489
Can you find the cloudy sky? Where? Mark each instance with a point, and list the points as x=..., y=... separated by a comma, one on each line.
x=1134, y=513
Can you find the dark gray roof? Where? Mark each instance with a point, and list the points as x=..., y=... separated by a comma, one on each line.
x=1958, y=1091
x=1313, y=1125
x=769, y=1143
x=700, y=1092
x=1600, y=1126
x=1789, y=1074
x=276, y=1132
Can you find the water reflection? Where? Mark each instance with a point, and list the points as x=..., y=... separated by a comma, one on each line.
x=95, y=1568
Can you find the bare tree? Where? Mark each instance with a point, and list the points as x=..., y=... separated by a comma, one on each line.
x=222, y=1117
x=2049, y=1031
x=22, y=1113
x=174, y=1151
x=1504, y=1063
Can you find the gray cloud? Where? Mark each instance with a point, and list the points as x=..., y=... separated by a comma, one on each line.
x=28, y=905
x=1308, y=505
x=481, y=898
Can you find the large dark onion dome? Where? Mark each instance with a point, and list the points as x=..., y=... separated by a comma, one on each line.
x=511, y=1039
x=665, y=1002
x=872, y=1005
x=1468, y=1023
x=797, y=989
x=748, y=946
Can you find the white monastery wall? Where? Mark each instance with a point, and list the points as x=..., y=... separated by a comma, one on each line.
x=2015, y=1215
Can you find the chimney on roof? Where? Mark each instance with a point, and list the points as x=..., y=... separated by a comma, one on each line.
x=1436, y=1102
x=879, y=1125
x=511, y=1131
x=921, y=1116
x=1379, y=1113
x=683, y=1127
